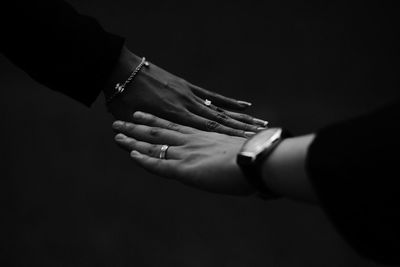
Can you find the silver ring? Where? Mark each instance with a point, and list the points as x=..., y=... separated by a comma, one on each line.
x=163, y=151
x=207, y=102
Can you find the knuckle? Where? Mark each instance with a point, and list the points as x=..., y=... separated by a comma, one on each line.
x=222, y=117
x=172, y=126
x=132, y=143
x=129, y=126
x=155, y=132
x=151, y=118
x=212, y=125
x=152, y=150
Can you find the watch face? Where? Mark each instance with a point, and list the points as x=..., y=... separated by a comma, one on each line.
x=259, y=142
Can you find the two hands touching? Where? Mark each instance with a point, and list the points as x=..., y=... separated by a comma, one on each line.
x=171, y=130
x=163, y=94
x=203, y=152
x=205, y=160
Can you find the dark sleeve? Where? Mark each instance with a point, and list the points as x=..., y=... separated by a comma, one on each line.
x=58, y=47
x=355, y=169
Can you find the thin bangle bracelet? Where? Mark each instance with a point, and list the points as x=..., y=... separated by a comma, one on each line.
x=121, y=87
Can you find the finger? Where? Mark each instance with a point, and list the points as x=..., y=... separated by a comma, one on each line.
x=234, y=115
x=148, y=149
x=246, y=118
x=222, y=118
x=161, y=167
x=220, y=100
x=213, y=126
x=148, y=134
x=151, y=120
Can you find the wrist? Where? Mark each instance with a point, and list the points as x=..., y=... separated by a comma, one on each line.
x=253, y=154
x=284, y=170
x=127, y=61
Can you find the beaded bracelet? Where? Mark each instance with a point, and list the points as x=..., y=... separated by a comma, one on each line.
x=121, y=87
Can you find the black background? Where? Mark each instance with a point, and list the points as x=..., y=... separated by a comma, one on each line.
x=70, y=197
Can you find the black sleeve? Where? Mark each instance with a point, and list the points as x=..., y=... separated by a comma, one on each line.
x=355, y=169
x=58, y=47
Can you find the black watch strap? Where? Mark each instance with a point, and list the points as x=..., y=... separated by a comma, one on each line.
x=252, y=169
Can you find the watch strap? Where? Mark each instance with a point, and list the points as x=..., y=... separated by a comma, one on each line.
x=252, y=170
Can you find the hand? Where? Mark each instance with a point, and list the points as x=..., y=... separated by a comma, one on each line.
x=157, y=91
x=204, y=160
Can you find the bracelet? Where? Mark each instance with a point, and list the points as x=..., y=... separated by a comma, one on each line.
x=121, y=87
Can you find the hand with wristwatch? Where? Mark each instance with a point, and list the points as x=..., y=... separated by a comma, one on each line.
x=269, y=164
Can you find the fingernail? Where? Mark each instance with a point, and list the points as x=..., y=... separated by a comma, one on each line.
x=260, y=122
x=117, y=124
x=135, y=154
x=261, y=128
x=244, y=103
x=249, y=134
x=120, y=137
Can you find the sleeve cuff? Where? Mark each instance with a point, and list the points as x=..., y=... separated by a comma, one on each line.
x=354, y=170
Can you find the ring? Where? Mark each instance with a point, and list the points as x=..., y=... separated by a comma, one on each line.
x=163, y=151
x=207, y=102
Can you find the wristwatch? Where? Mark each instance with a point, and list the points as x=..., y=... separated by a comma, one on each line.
x=254, y=152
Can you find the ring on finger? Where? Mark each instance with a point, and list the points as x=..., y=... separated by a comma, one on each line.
x=163, y=151
x=207, y=103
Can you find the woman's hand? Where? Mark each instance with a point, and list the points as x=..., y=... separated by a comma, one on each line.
x=204, y=160
x=161, y=93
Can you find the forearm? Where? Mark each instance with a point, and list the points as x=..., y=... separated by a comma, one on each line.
x=58, y=47
x=284, y=171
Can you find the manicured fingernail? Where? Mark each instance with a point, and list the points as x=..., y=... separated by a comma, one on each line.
x=261, y=128
x=135, y=154
x=260, y=122
x=120, y=137
x=249, y=134
x=244, y=103
x=117, y=124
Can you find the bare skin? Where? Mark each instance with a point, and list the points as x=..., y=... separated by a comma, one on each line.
x=207, y=160
x=161, y=93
